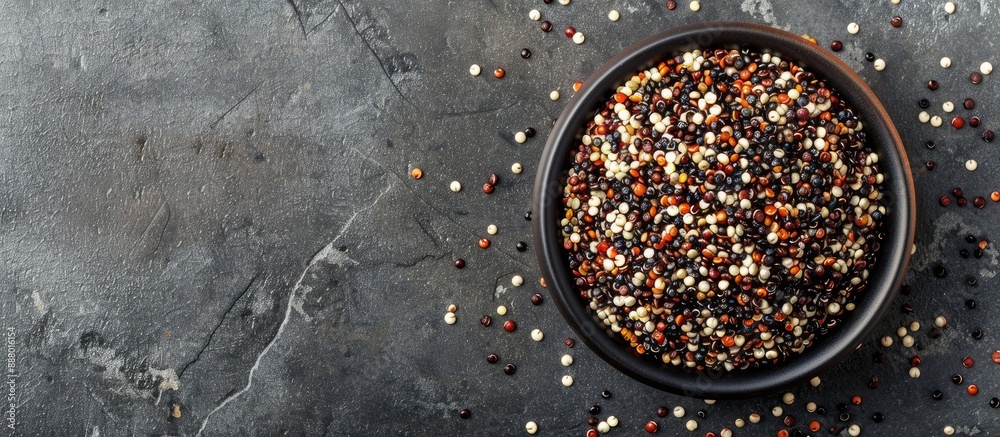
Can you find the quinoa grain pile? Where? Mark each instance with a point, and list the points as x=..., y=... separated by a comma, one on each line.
x=722, y=210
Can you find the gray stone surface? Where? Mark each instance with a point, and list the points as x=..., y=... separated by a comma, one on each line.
x=208, y=205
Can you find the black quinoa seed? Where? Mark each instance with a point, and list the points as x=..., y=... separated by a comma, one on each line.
x=937, y=395
x=977, y=334
x=964, y=253
x=492, y=358
x=988, y=136
x=970, y=304
x=924, y=103
x=930, y=144
x=595, y=409
x=521, y=246
x=995, y=403
x=525, y=53
x=939, y=271
x=870, y=57
x=509, y=369
x=606, y=394
x=878, y=417
x=529, y=132
x=465, y=414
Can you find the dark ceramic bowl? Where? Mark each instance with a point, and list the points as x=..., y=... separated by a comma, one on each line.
x=886, y=275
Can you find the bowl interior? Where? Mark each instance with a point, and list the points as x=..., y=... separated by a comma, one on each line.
x=886, y=275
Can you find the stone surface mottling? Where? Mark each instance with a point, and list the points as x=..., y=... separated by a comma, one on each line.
x=209, y=206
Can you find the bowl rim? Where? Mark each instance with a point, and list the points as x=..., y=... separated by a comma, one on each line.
x=883, y=283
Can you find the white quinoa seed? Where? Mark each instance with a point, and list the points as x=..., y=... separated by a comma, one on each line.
x=815, y=381
x=554, y=95
x=811, y=407
x=895, y=2
x=777, y=411
x=914, y=372
x=534, y=15
x=936, y=121
x=691, y=425
x=679, y=412
x=520, y=137
x=887, y=341
x=531, y=427
x=726, y=432
x=613, y=421
x=537, y=334
x=754, y=418
x=456, y=186
x=474, y=69
x=502, y=310
x=564, y=2
x=986, y=68
x=695, y=6
x=603, y=427
x=578, y=37
x=948, y=106
x=491, y=229
x=452, y=308
x=879, y=64
x=516, y=281
x=901, y=332
x=567, y=380
x=614, y=15
x=914, y=326
x=945, y=62
x=948, y=430
x=710, y=401
x=924, y=117
x=788, y=398
x=854, y=430
x=971, y=165
x=739, y=423
x=940, y=321
x=516, y=168
x=450, y=318
x=853, y=28
x=949, y=7
x=566, y=360
x=908, y=341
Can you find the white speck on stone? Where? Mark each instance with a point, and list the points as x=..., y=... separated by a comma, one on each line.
x=36, y=299
x=759, y=8
x=853, y=28
x=971, y=165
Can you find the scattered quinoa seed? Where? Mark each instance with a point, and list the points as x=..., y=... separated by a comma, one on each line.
x=945, y=62
x=566, y=360
x=949, y=7
x=534, y=15
x=531, y=427
x=567, y=380
x=853, y=28
x=986, y=68
x=578, y=38
x=879, y=64
x=502, y=310
x=516, y=168
x=537, y=335
x=520, y=138
x=695, y=6
x=516, y=280
x=474, y=70
x=416, y=173
x=491, y=229
x=450, y=318
x=499, y=73
x=614, y=15
x=971, y=165
x=691, y=425
x=456, y=186
x=554, y=95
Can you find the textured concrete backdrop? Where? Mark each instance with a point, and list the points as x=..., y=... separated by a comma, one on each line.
x=208, y=206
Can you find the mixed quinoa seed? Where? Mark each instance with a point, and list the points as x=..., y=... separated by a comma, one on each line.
x=722, y=210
